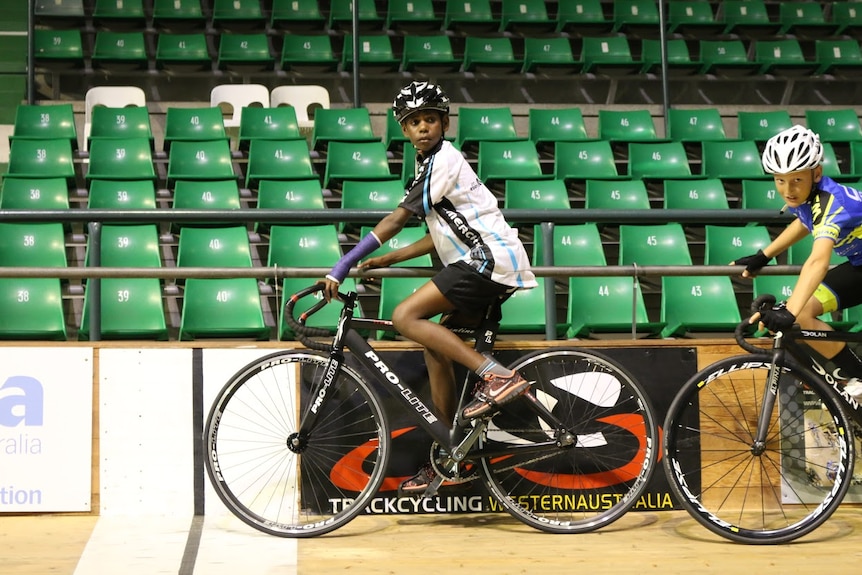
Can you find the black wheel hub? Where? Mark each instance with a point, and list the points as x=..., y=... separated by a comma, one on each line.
x=296, y=442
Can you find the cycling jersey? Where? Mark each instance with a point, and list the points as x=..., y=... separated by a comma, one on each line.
x=464, y=220
x=834, y=211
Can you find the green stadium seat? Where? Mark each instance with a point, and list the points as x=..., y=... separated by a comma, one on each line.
x=726, y=58
x=296, y=15
x=583, y=18
x=550, y=125
x=524, y=311
x=404, y=238
x=779, y=286
x=278, y=160
x=122, y=195
x=679, y=61
x=178, y=15
x=609, y=56
x=702, y=303
x=495, y=124
x=34, y=194
x=536, y=195
x=783, y=57
x=183, y=52
x=58, y=49
x=375, y=54
x=341, y=125
x=579, y=161
x=805, y=20
x=290, y=195
x=341, y=15
x=428, y=55
x=131, y=308
x=197, y=124
x=701, y=194
x=527, y=17
x=747, y=19
x=695, y=125
x=693, y=19
x=848, y=16
x=244, y=52
x=382, y=195
x=219, y=307
x=308, y=53
x=412, y=16
x=653, y=245
x=636, y=18
x=120, y=50
x=205, y=195
x=41, y=159
x=32, y=308
x=543, y=55
x=838, y=57
x=129, y=159
x=509, y=160
x=658, y=161
x=209, y=160
x=616, y=195
x=760, y=195
x=574, y=245
x=626, y=125
x=267, y=124
x=834, y=124
x=132, y=122
x=50, y=122
x=490, y=54
x=736, y=160
x=59, y=13
x=606, y=305
x=356, y=161
x=470, y=16
x=761, y=125
x=725, y=244
x=237, y=14
x=113, y=13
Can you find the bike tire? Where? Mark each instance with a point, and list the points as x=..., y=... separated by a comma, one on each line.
x=302, y=491
x=593, y=482
x=780, y=495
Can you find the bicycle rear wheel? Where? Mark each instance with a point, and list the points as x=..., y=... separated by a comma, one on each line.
x=287, y=484
x=778, y=495
x=592, y=482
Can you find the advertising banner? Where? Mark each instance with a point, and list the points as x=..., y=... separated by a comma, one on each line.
x=46, y=427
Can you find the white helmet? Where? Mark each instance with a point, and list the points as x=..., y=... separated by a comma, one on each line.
x=419, y=96
x=796, y=148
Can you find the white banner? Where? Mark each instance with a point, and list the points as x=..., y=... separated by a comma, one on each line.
x=46, y=422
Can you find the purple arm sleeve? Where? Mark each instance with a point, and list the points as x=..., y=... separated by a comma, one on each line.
x=365, y=246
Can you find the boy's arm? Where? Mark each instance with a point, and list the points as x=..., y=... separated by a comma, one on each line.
x=794, y=232
x=418, y=248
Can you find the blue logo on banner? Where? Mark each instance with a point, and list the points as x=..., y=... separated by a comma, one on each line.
x=21, y=401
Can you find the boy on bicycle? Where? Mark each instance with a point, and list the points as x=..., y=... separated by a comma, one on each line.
x=832, y=213
x=484, y=261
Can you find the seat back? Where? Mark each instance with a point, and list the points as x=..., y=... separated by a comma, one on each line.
x=226, y=12
x=494, y=53
x=121, y=50
x=32, y=245
x=731, y=160
x=356, y=161
x=214, y=247
x=244, y=52
x=653, y=245
x=695, y=125
x=761, y=195
x=524, y=311
x=278, y=160
x=35, y=122
x=267, y=124
x=616, y=195
x=206, y=195
x=726, y=58
x=118, y=159
x=707, y=194
x=485, y=124
x=469, y=15
x=584, y=160
x=536, y=195
x=725, y=244
x=371, y=195
x=341, y=125
x=609, y=55
x=626, y=125
x=53, y=47
x=509, y=160
x=41, y=159
x=761, y=125
x=606, y=304
x=549, y=125
x=525, y=16
x=112, y=97
x=341, y=14
x=132, y=122
x=232, y=98
x=34, y=194
x=201, y=160
x=658, y=160
x=837, y=56
x=122, y=195
x=702, y=303
x=547, y=54
x=375, y=53
x=411, y=15
x=198, y=124
x=428, y=53
x=303, y=246
x=835, y=124
x=290, y=195
x=574, y=245
x=296, y=13
x=308, y=51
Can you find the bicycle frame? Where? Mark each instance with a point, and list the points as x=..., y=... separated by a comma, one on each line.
x=461, y=437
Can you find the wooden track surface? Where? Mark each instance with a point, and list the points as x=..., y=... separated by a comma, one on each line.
x=667, y=542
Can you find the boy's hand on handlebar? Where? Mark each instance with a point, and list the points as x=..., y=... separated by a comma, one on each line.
x=774, y=318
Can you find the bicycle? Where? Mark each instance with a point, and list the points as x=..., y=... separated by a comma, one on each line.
x=760, y=448
x=297, y=442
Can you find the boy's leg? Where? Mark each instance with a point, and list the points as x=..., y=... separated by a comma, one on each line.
x=441, y=376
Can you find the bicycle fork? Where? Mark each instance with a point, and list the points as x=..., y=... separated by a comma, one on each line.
x=770, y=395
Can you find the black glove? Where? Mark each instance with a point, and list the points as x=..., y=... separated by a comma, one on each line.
x=777, y=318
x=753, y=263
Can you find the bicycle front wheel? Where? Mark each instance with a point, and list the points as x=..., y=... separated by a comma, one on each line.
x=592, y=481
x=287, y=483
x=752, y=494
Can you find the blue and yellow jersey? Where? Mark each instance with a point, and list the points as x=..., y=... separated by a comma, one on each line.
x=835, y=212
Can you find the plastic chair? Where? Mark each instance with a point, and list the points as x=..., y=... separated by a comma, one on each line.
x=783, y=57
x=524, y=311
x=805, y=20
x=289, y=195
x=658, y=161
x=470, y=16
x=725, y=244
x=178, y=15
x=412, y=16
x=606, y=305
x=40, y=159
x=705, y=194
x=356, y=161
x=296, y=15
x=702, y=303
x=341, y=125
x=585, y=160
x=219, y=307
x=236, y=13
x=124, y=12
x=536, y=195
x=583, y=18
x=131, y=308
x=206, y=195
x=198, y=124
x=693, y=19
x=32, y=308
x=574, y=245
x=244, y=52
x=838, y=57
x=382, y=195
x=760, y=195
x=429, y=55
x=120, y=124
x=727, y=58
x=493, y=54
x=267, y=124
x=58, y=49
x=308, y=53
x=341, y=15
x=237, y=97
x=761, y=125
x=636, y=18
x=526, y=17
x=609, y=56
x=616, y=195
x=509, y=160
x=304, y=99
x=122, y=195
x=111, y=97
x=402, y=239
x=210, y=160
x=375, y=54
x=484, y=124
x=116, y=159
x=278, y=160
x=653, y=245
x=551, y=125
x=835, y=124
x=549, y=56
x=51, y=122
x=695, y=125
x=34, y=194
x=679, y=61
x=626, y=125
x=57, y=12
x=731, y=160
x=119, y=50
x=848, y=16
x=747, y=19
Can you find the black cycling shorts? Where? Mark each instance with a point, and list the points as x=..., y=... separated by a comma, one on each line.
x=841, y=288
x=470, y=293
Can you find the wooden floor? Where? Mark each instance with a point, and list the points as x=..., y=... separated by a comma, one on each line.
x=666, y=542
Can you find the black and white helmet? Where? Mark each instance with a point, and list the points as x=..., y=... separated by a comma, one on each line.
x=419, y=96
x=796, y=148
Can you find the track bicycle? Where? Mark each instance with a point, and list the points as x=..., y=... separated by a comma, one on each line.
x=297, y=442
x=760, y=448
